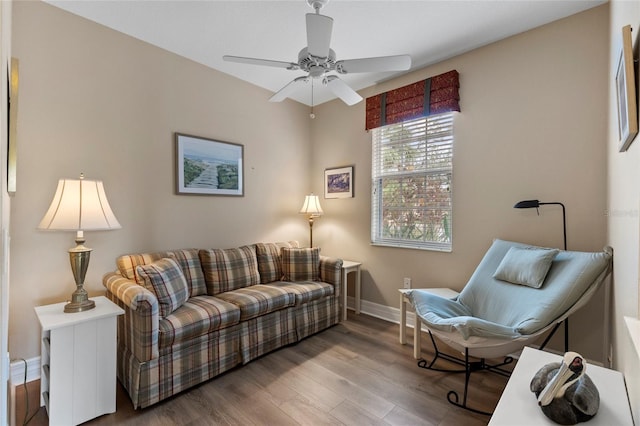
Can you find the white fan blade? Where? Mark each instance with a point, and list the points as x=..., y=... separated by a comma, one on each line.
x=382, y=63
x=318, y=34
x=265, y=62
x=284, y=93
x=342, y=90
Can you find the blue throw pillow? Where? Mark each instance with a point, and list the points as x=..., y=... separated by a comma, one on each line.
x=526, y=265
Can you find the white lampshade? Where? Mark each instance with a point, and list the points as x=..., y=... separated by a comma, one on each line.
x=79, y=205
x=311, y=206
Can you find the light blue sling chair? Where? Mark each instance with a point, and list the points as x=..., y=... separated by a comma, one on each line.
x=517, y=293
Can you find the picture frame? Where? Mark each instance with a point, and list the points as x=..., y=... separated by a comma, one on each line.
x=338, y=182
x=208, y=167
x=626, y=93
x=12, y=146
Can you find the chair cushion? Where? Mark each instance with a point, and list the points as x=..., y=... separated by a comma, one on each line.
x=491, y=308
x=305, y=291
x=448, y=315
x=269, y=260
x=198, y=316
x=258, y=300
x=229, y=269
x=300, y=264
x=165, y=279
x=524, y=308
x=526, y=265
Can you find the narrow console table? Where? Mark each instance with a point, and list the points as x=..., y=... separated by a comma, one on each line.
x=78, y=357
x=518, y=404
x=347, y=267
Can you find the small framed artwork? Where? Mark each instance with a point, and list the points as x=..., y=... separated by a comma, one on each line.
x=626, y=93
x=208, y=167
x=338, y=182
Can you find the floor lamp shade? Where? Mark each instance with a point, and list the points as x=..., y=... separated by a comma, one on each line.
x=79, y=205
x=311, y=207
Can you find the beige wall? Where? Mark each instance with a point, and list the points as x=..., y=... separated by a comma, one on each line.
x=533, y=125
x=95, y=101
x=624, y=204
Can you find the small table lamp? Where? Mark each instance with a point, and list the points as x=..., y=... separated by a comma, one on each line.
x=79, y=205
x=311, y=208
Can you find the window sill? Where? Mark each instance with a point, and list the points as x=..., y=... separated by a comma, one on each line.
x=411, y=247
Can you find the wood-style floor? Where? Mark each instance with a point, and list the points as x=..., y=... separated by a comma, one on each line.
x=355, y=373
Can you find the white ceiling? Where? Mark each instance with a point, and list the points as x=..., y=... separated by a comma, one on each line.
x=428, y=30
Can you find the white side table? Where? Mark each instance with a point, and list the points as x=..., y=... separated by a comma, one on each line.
x=347, y=267
x=404, y=301
x=78, y=380
x=518, y=404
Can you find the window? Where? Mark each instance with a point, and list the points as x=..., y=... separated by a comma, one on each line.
x=412, y=164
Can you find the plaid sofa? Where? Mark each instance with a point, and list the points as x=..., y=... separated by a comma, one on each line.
x=192, y=314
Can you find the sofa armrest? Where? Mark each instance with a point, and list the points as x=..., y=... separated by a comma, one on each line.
x=138, y=327
x=331, y=271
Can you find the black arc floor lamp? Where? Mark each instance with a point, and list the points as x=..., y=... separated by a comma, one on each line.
x=535, y=204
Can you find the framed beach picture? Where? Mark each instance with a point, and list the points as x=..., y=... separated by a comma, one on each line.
x=338, y=182
x=626, y=93
x=208, y=167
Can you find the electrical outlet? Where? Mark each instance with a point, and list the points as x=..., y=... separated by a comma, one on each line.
x=407, y=282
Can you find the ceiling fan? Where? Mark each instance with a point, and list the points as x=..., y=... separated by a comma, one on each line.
x=318, y=59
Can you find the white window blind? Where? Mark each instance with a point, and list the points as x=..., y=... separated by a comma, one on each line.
x=412, y=165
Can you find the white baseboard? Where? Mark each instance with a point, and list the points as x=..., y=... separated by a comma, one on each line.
x=17, y=376
x=383, y=312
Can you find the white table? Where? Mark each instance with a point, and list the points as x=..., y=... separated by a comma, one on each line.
x=78, y=380
x=518, y=404
x=404, y=301
x=347, y=267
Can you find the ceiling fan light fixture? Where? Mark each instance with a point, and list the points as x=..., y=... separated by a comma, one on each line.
x=317, y=59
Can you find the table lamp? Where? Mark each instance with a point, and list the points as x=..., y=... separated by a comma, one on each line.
x=312, y=209
x=79, y=205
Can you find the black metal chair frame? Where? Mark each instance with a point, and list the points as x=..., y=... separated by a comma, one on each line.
x=471, y=366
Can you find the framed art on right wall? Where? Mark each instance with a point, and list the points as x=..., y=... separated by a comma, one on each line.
x=626, y=93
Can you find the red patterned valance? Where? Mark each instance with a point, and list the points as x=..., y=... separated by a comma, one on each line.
x=431, y=96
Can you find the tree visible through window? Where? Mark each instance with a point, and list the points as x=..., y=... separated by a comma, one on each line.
x=411, y=182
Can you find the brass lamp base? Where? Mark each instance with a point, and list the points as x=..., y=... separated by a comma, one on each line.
x=79, y=258
x=80, y=305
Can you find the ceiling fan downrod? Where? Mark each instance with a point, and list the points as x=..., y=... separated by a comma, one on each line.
x=317, y=4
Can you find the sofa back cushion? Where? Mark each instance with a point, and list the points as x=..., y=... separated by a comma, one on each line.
x=187, y=259
x=300, y=264
x=269, y=260
x=229, y=269
x=165, y=279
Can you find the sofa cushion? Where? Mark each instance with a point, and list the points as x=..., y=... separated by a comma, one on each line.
x=229, y=269
x=165, y=279
x=305, y=291
x=526, y=265
x=258, y=300
x=198, y=316
x=187, y=259
x=300, y=264
x=269, y=260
